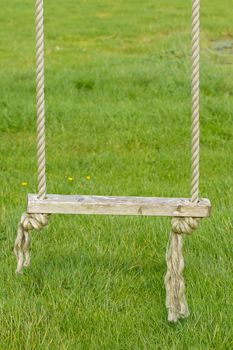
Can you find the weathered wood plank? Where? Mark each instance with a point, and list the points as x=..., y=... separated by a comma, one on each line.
x=148, y=206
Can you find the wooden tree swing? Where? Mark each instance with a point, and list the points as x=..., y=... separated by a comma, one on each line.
x=185, y=212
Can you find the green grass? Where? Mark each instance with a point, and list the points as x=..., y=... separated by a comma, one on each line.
x=118, y=110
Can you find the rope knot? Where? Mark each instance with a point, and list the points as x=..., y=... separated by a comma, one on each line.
x=175, y=297
x=33, y=221
x=21, y=249
x=184, y=225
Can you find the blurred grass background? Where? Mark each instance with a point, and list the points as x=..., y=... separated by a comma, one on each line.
x=118, y=123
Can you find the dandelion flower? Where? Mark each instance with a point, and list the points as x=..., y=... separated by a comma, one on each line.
x=88, y=177
x=70, y=178
x=24, y=183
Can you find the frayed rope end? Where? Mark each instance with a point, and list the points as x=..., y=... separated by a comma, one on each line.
x=22, y=242
x=174, y=282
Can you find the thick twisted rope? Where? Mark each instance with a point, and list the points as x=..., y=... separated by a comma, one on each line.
x=195, y=100
x=40, y=104
x=35, y=221
x=21, y=249
x=174, y=281
x=175, y=288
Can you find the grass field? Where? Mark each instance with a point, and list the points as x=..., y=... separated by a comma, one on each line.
x=118, y=123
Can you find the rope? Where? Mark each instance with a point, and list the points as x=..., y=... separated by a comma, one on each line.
x=35, y=221
x=174, y=282
x=195, y=100
x=184, y=225
x=21, y=249
x=40, y=104
x=175, y=288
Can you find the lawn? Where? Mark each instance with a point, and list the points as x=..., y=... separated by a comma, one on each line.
x=118, y=123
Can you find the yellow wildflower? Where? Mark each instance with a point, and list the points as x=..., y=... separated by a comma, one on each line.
x=24, y=184
x=88, y=177
x=70, y=178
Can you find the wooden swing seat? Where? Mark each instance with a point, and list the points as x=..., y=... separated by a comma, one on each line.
x=111, y=205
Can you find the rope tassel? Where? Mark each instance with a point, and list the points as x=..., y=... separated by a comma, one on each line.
x=21, y=249
x=174, y=282
x=175, y=299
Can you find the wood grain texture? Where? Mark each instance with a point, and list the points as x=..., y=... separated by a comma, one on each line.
x=103, y=205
